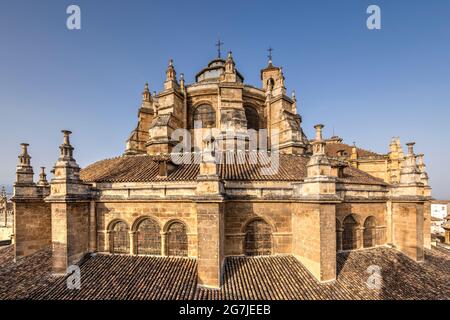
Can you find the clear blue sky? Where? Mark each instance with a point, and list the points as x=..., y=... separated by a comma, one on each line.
x=367, y=85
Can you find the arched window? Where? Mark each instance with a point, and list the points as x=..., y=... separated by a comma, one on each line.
x=270, y=83
x=369, y=234
x=204, y=116
x=349, y=237
x=258, y=238
x=177, y=241
x=148, y=237
x=120, y=238
x=252, y=117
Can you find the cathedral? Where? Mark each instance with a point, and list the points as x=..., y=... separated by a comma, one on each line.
x=219, y=168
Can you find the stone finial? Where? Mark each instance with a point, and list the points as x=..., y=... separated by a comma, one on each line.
x=24, y=170
x=318, y=144
x=229, y=64
x=293, y=95
x=3, y=194
x=146, y=95
x=420, y=161
x=43, y=178
x=182, y=80
x=24, y=157
x=318, y=128
x=171, y=75
x=66, y=148
x=410, y=148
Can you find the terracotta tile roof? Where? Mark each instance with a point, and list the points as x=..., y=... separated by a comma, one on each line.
x=144, y=168
x=333, y=148
x=139, y=168
x=116, y=277
x=18, y=280
x=267, y=278
x=353, y=175
x=283, y=277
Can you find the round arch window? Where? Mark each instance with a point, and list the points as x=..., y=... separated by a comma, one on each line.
x=204, y=117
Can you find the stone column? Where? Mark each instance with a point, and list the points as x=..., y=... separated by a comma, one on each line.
x=380, y=235
x=210, y=230
x=92, y=227
x=163, y=243
x=359, y=237
x=339, y=233
x=107, y=240
x=133, y=242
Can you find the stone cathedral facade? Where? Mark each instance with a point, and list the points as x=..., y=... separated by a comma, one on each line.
x=323, y=196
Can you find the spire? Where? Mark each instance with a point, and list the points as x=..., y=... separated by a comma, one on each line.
x=230, y=71
x=229, y=64
x=146, y=95
x=171, y=75
x=66, y=149
x=270, y=50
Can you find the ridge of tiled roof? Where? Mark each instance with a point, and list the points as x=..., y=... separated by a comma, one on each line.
x=244, y=167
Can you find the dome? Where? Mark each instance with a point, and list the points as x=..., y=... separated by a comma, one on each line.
x=213, y=71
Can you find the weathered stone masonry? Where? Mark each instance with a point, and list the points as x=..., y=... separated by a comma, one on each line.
x=323, y=197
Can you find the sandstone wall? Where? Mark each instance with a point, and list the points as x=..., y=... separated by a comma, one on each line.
x=314, y=238
x=162, y=212
x=361, y=211
x=239, y=213
x=210, y=226
x=32, y=230
x=408, y=229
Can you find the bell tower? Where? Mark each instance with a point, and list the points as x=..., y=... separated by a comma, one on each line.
x=283, y=123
